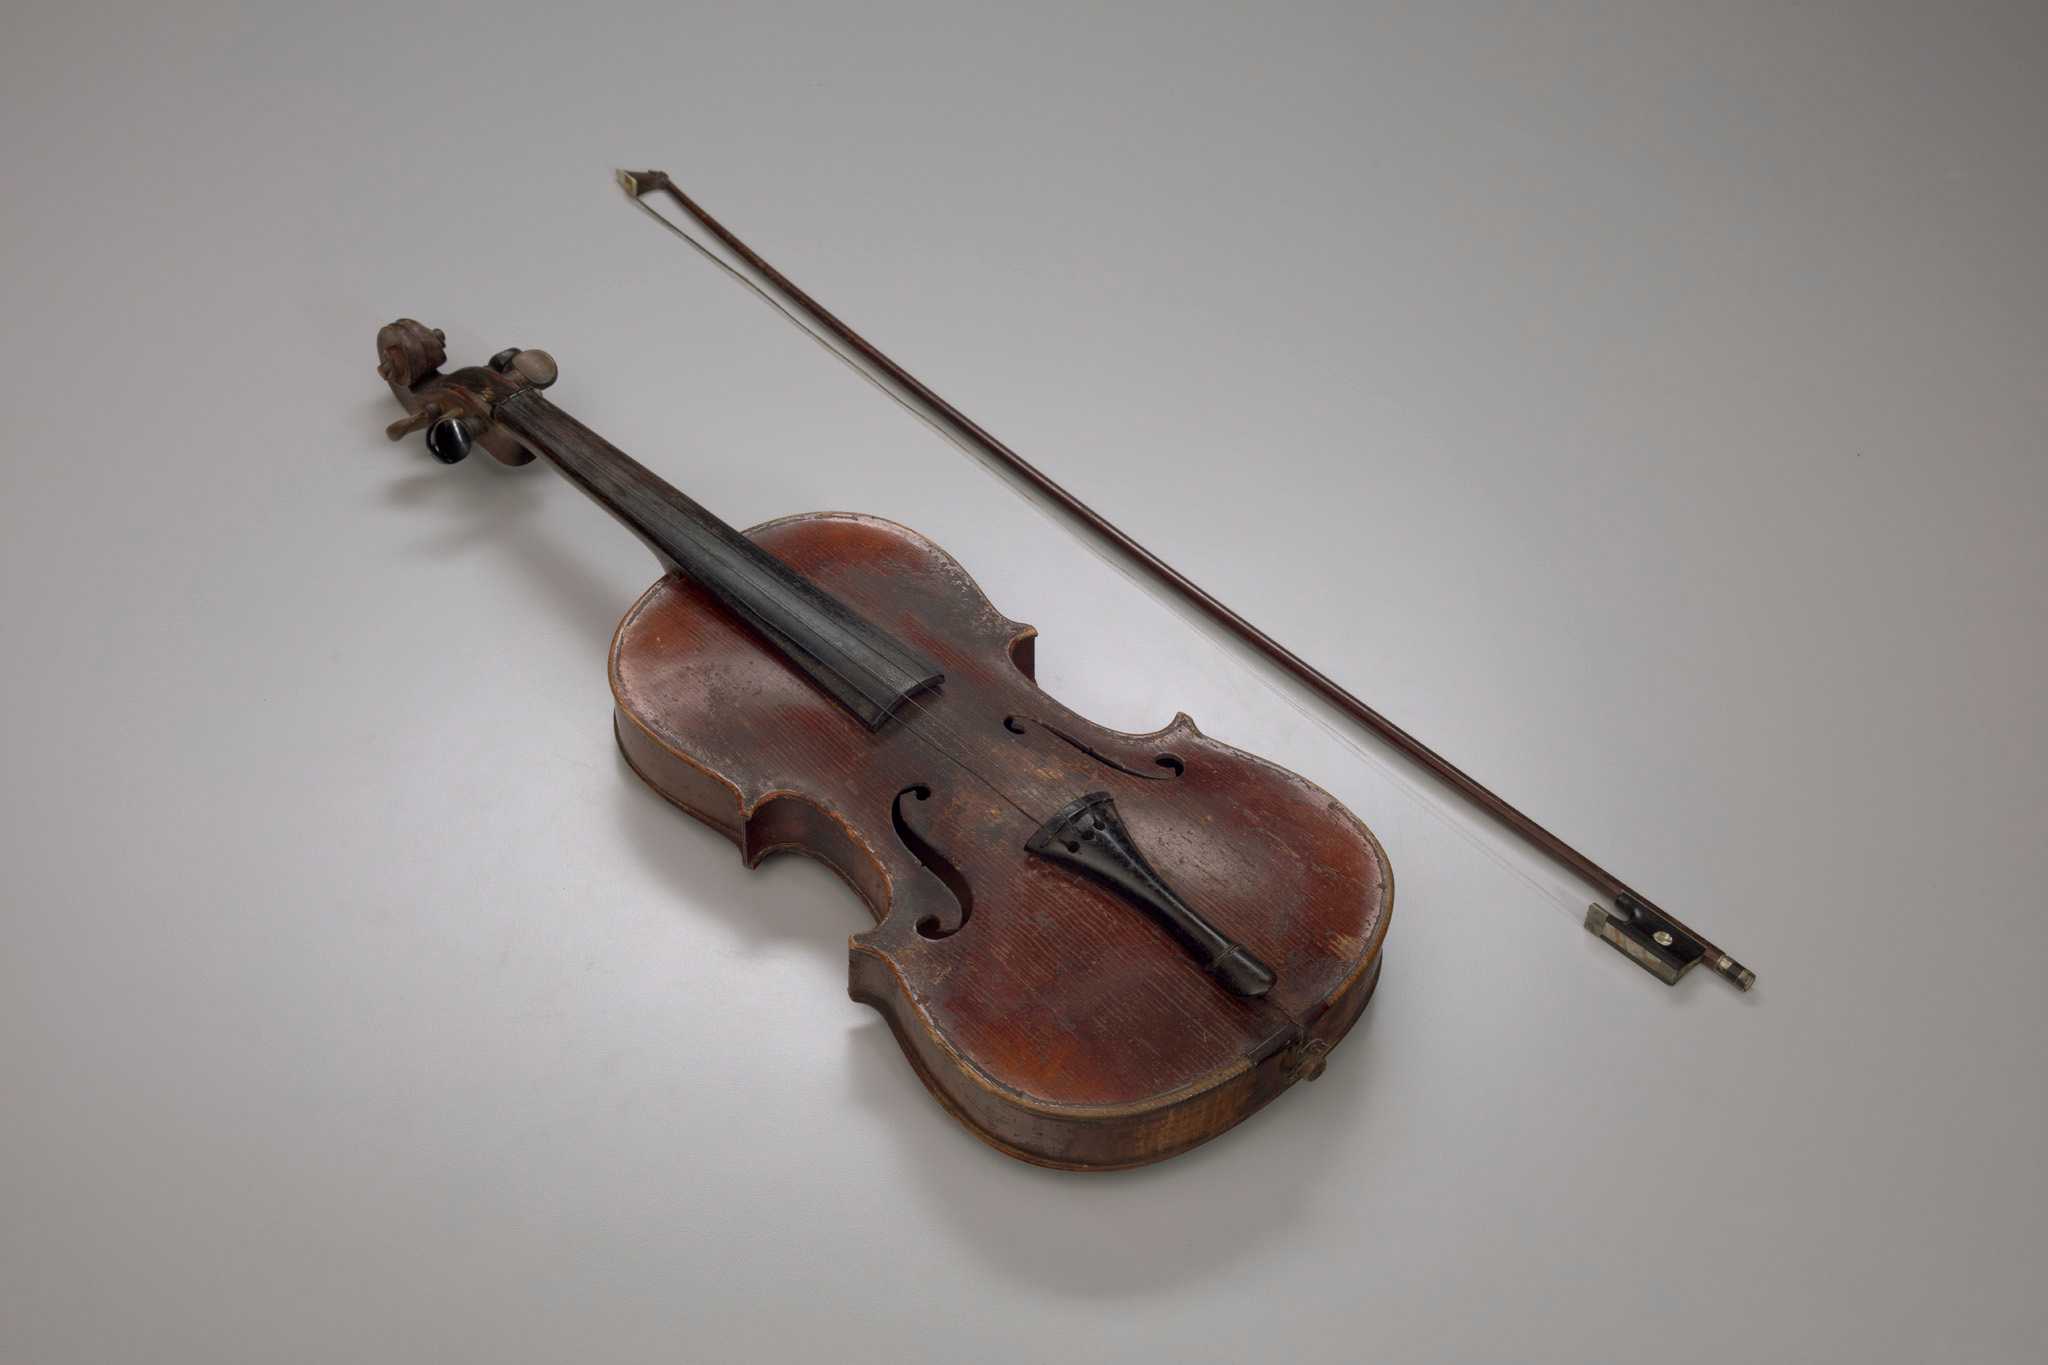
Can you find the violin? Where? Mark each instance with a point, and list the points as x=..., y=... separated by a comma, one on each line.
x=1096, y=949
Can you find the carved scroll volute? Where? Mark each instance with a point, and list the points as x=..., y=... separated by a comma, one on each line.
x=454, y=409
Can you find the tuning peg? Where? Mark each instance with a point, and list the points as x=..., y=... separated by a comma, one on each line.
x=535, y=367
x=449, y=440
x=407, y=425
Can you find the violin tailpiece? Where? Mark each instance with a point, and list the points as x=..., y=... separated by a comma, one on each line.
x=1088, y=835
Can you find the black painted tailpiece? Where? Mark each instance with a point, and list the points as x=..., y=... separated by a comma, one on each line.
x=1089, y=836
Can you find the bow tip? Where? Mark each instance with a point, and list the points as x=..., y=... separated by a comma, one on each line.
x=637, y=183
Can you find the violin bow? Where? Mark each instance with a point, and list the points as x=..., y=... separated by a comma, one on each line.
x=1654, y=940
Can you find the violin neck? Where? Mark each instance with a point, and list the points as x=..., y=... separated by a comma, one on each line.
x=861, y=666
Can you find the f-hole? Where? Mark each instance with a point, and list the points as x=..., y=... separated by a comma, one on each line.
x=1174, y=764
x=935, y=862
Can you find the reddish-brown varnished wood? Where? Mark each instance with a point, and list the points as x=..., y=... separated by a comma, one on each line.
x=1054, y=1020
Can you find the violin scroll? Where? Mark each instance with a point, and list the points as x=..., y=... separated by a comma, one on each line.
x=409, y=351
x=455, y=409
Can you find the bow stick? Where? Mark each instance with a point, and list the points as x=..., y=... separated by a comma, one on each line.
x=1658, y=942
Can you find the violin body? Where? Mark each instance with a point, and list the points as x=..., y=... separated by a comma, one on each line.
x=1041, y=1010
x=1097, y=949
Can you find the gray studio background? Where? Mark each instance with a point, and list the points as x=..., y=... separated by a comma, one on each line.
x=1644, y=403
